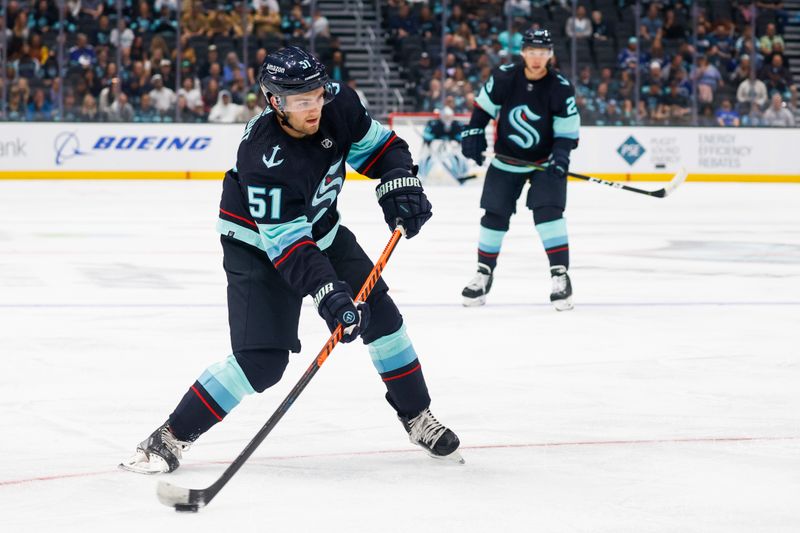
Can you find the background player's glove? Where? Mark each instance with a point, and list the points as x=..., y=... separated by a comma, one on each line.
x=334, y=302
x=473, y=144
x=402, y=198
x=558, y=164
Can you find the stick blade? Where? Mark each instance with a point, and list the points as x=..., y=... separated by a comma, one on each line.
x=679, y=178
x=178, y=497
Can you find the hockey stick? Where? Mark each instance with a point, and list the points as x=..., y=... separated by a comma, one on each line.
x=676, y=180
x=191, y=500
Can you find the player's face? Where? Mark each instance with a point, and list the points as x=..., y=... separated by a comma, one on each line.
x=303, y=111
x=536, y=58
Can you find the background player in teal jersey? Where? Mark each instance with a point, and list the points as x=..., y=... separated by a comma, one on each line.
x=537, y=121
x=282, y=239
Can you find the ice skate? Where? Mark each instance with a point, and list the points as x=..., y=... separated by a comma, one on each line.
x=160, y=453
x=561, y=293
x=475, y=292
x=427, y=432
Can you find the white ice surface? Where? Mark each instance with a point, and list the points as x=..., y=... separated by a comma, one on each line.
x=667, y=401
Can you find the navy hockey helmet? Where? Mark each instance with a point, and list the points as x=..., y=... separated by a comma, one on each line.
x=292, y=70
x=537, y=39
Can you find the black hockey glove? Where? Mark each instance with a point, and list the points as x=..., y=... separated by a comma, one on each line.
x=402, y=198
x=558, y=164
x=334, y=302
x=473, y=144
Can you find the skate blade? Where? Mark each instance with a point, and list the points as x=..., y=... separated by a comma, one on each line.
x=563, y=305
x=141, y=464
x=474, y=302
x=453, y=457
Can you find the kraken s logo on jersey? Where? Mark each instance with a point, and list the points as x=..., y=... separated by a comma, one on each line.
x=520, y=119
x=328, y=189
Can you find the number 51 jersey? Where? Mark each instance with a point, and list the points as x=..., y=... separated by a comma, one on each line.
x=281, y=195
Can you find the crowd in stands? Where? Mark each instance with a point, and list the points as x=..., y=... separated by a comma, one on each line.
x=735, y=77
x=215, y=84
x=729, y=76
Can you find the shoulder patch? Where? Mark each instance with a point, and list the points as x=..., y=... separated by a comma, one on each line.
x=508, y=67
x=562, y=80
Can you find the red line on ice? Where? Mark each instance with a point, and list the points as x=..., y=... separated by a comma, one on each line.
x=415, y=450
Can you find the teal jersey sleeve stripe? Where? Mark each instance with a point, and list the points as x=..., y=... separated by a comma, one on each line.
x=235, y=231
x=278, y=237
x=374, y=139
x=566, y=127
x=486, y=103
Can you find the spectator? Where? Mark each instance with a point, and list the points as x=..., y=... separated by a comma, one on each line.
x=580, y=27
x=294, y=24
x=163, y=98
x=191, y=93
x=250, y=108
x=39, y=110
x=122, y=35
x=672, y=30
x=337, y=69
x=121, y=110
x=650, y=28
x=742, y=71
x=88, y=111
x=232, y=66
x=224, y=111
x=212, y=58
x=512, y=42
x=778, y=115
x=255, y=66
x=769, y=39
x=107, y=97
x=726, y=115
x=600, y=29
x=167, y=76
x=708, y=80
x=319, y=27
x=210, y=95
x=82, y=53
x=402, y=24
x=776, y=76
x=146, y=111
x=27, y=66
x=266, y=21
x=627, y=59
x=517, y=8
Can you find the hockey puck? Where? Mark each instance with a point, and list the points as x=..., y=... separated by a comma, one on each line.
x=186, y=507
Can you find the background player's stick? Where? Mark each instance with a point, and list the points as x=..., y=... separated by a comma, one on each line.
x=183, y=499
x=676, y=180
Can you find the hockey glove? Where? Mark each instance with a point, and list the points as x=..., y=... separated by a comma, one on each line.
x=473, y=144
x=334, y=302
x=558, y=164
x=402, y=198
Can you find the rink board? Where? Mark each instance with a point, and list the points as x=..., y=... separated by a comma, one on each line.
x=200, y=152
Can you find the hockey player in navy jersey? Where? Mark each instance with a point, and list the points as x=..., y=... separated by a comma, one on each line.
x=282, y=240
x=537, y=121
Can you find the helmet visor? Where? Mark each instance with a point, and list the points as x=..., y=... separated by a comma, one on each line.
x=298, y=103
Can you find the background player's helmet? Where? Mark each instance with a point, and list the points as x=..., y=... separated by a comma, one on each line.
x=292, y=70
x=446, y=116
x=537, y=39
